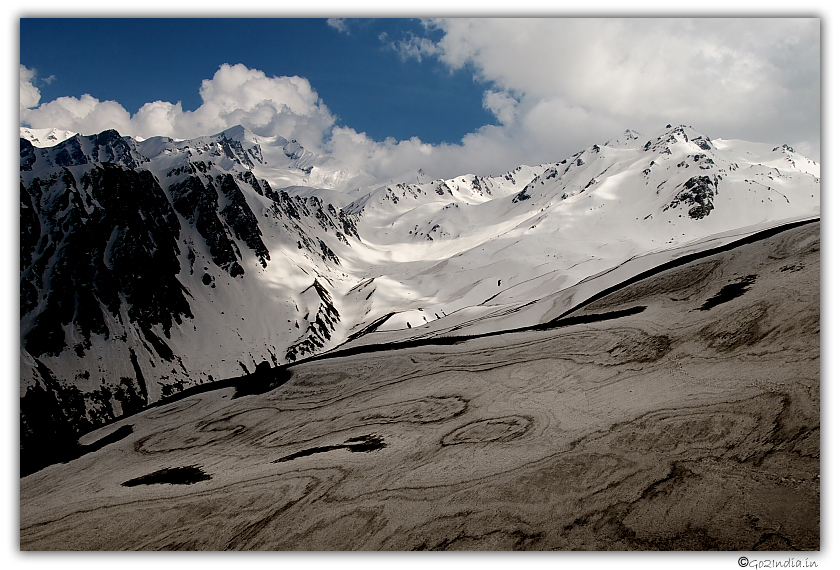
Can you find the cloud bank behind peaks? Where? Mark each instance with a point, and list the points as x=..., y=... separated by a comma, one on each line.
x=733, y=78
x=287, y=106
x=553, y=87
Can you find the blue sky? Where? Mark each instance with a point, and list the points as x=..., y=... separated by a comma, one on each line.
x=451, y=96
x=367, y=84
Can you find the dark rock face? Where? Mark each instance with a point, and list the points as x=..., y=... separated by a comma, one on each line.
x=252, y=181
x=523, y=194
x=27, y=155
x=198, y=203
x=703, y=142
x=241, y=219
x=292, y=210
x=105, y=147
x=70, y=153
x=98, y=250
x=675, y=135
x=109, y=146
x=320, y=329
x=234, y=151
x=109, y=238
x=705, y=162
x=100, y=247
x=698, y=194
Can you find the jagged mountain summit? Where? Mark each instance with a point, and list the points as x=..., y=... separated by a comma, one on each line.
x=148, y=266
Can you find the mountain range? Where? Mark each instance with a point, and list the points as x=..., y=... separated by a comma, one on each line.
x=151, y=266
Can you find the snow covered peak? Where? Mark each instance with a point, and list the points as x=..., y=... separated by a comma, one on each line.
x=627, y=138
x=42, y=138
x=238, y=133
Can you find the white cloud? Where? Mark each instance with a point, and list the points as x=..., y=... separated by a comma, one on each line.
x=158, y=119
x=729, y=77
x=235, y=95
x=415, y=47
x=339, y=24
x=502, y=105
x=559, y=85
x=29, y=94
x=86, y=115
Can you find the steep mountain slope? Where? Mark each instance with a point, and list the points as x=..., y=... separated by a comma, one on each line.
x=140, y=276
x=679, y=413
x=151, y=266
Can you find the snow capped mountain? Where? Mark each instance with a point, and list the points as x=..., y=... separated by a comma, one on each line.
x=151, y=266
x=45, y=137
x=470, y=242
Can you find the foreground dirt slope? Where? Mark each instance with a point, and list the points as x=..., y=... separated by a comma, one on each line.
x=691, y=424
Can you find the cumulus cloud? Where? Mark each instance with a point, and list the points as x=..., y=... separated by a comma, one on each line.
x=235, y=95
x=86, y=115
x=744, y=78
x=29, y=94
x=502, y=105
x=559, y=85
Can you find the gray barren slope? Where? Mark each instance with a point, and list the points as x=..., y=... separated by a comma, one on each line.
x=693, y=424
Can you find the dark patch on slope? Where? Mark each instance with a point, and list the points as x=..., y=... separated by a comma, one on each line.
x=141, y=381
x=32, y=460
x=264, y=379
x=365, y=444
x=160, y=347
x=698, y=194
x=729, y=292
x=172, y=476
